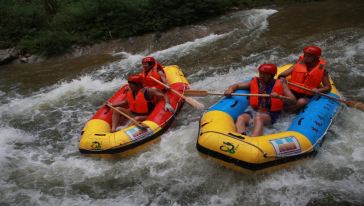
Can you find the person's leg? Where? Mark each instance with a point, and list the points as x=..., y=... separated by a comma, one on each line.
x=141, y=118
x=301, y=102
x=260, y=120
x=242, y=122
x=138, y=117
x=114, y=120
x=118, y=119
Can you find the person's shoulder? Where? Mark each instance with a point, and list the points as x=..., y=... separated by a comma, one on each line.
x=159, y=66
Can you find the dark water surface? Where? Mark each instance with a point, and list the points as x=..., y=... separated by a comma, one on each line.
x=43, y=108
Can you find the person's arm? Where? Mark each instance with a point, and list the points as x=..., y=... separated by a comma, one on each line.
x=286, y=72
x=161, y=73
x=288, y=93
x=154, y=92
x=120, y=104
x=163, y=76
x=232, y=88
x=326, y=84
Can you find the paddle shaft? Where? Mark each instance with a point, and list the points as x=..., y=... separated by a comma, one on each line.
x=189, y=100
x=239, y=94
x=319, y=93
x=205, y=92
x=168, y=87
x=126, y=115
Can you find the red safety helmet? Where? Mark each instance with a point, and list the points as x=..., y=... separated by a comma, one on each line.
x=268, y=68
x=314, y=50
x=148, y=60
x=135, y=78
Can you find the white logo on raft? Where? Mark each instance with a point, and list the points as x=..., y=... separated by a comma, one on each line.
x=286, y=146
x=135, y=133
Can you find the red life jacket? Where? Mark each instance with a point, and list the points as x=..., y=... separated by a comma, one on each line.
x=302, y=77
x=139, y=104
x=148, y=82
x=272, y=104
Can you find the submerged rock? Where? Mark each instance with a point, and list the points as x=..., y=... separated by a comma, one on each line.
x=8, y=55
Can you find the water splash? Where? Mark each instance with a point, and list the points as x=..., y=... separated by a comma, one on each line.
x=40, y=163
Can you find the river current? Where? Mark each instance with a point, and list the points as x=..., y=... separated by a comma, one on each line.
x=43, y=108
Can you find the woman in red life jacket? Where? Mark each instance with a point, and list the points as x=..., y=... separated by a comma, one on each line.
x=264, y=110
x=141, y=102
x=310, y=72
x=151, y=68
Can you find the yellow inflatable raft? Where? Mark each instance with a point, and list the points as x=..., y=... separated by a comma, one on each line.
x=96, y=139
x=217, y=137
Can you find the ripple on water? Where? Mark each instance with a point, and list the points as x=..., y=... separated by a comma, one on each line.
x=40, y=163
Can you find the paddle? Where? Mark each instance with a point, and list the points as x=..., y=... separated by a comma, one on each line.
x=140, y=125
x=354, y=104
x=205, y=93
x=194, y=103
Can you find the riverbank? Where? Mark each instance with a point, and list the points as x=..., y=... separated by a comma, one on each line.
x=45, y=106
x=31, y=51
x=146, y=43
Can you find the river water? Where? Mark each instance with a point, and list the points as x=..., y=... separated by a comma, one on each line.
x=44, y=107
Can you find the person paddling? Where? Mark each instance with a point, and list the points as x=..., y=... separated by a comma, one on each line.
x=151, y=68
x=264, y=110
x=140, y=102
x=309, y=72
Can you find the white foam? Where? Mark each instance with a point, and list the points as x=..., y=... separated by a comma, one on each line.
x=77, y=169
x=65, y=90
x=186, y=48
x=358, y=154
x=257, y=18
x=37, y=197
x=2, y=93
x=253, y=18
x=171, y=171
x=132, y=61
x=354, y=50
x=219, y=83
x=9, y=137
x=227, y=198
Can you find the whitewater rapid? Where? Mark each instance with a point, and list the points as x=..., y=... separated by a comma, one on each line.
x=40, y=163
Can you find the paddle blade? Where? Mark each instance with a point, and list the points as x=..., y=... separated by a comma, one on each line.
x=355, y=104
x=194, y=103
x=196, y=93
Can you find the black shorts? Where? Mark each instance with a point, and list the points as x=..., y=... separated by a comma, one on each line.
x=273, y=115
x=300, y=95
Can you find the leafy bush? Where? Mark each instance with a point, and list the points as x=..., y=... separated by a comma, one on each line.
x=50, y=27
x=47, y=43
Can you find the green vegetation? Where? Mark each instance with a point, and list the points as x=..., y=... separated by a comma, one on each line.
x=51, y=27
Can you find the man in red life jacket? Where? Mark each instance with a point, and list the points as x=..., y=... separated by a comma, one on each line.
x=264, y=110
x=310, y=72
x=151, y=68
x=141, y=102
